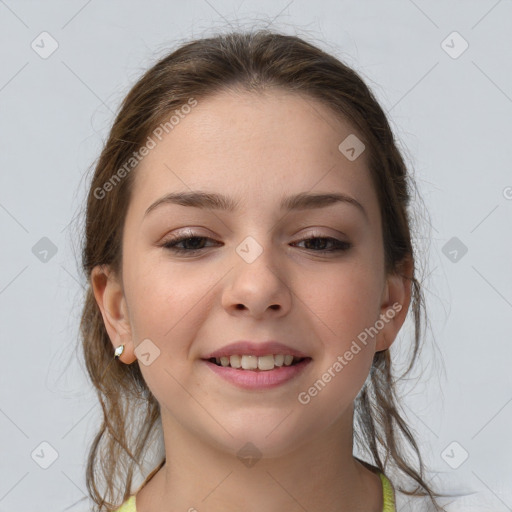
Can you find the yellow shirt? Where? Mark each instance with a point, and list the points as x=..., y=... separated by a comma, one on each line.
x=387, y=492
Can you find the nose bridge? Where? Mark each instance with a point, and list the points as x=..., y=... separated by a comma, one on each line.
x=256, y=256
x=256, y=234
x=256, y=281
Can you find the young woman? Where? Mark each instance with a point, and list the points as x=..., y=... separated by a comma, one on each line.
x=248, y=248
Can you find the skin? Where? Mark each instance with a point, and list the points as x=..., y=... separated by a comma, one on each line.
x=256, y=148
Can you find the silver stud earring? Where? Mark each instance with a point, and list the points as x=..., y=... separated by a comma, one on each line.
x=119, y=350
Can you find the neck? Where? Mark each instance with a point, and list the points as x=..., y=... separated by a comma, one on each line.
x=321, y=475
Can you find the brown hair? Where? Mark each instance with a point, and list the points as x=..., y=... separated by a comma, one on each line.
x=251, y=61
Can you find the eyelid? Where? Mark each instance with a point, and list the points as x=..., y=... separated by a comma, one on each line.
x=191, y=233
x=186, y=232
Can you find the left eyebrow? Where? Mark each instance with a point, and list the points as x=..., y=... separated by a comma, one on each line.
x=214, y=201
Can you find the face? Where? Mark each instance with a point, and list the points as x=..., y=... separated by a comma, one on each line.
x=310, y=278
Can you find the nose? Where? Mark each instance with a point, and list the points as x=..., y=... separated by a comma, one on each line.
x=257, y=288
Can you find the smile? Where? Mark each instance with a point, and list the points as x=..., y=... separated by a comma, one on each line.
x=255, y=378
x=251, y=362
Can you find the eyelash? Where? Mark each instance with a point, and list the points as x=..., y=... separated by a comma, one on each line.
x=171, y=244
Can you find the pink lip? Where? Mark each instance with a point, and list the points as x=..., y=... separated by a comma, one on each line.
x=251, y=348
x=258, y=379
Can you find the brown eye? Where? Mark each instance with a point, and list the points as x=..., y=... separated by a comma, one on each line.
x=191, y=244
x=336, y=245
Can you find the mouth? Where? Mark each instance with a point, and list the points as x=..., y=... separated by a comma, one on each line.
x=257, y=363
x=258, y=373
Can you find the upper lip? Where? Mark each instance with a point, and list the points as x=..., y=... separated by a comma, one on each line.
x=254, y=348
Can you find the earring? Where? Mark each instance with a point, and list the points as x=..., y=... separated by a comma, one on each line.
x=119, y=350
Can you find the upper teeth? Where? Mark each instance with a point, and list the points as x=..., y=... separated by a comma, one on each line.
x=252, y=362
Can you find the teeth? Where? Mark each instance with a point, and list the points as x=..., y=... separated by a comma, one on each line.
x=279, y=360
x=250, y=362
x=266, y=363
x=235, y=361
x=247, y=362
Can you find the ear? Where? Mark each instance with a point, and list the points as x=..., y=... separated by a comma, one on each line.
x=395, y=302
x=109, y=296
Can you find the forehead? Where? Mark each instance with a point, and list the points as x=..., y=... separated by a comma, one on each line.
x=255, y=147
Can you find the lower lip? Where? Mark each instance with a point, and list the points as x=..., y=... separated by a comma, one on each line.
x=259, y=379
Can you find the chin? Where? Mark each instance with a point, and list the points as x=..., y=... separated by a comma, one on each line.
x=262, y=436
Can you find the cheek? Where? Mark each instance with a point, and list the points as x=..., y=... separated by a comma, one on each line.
x=347, y=351
x=345, y=306
x=334, y=389
x=168, y=304
x=346, y=301
x=167, y=307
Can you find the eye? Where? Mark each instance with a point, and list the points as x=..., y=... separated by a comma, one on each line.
x=192, y=244
x=196, y=243
x=336, y=245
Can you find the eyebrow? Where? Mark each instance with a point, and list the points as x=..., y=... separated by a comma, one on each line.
x=214, y=201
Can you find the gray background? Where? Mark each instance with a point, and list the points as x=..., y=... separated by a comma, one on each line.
x=452, y=114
